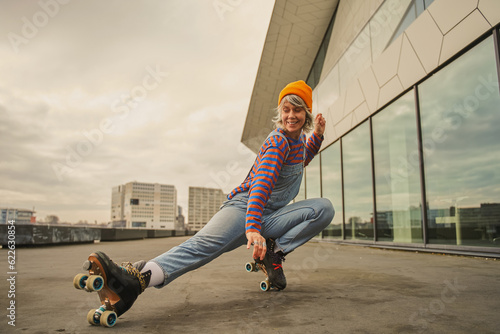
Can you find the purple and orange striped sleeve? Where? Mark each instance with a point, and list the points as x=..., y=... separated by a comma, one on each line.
x=264, y=175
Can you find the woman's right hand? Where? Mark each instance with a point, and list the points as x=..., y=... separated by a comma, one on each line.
x=259, y=245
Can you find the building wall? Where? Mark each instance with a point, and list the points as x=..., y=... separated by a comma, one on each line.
x=430, y=41
x=203, y=204
x=350, y=18
x=117, y=204
x=412, y=127
x=21, y=216
x=148, y=205
x=293, y=38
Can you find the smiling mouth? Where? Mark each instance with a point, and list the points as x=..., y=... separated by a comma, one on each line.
x=292, y=123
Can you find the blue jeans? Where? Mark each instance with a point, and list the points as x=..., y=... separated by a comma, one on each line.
x=291, y=226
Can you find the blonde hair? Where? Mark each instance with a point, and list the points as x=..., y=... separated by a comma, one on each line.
x=295, y=101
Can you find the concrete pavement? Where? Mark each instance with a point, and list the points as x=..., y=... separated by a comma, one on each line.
x=331, y=289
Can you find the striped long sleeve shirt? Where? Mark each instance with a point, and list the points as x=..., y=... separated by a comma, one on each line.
x=266, y=169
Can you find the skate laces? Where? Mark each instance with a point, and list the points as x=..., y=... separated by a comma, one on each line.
x=131, y=270
x=276, y=258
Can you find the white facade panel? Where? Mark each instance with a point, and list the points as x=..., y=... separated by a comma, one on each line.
x=448, y=13
x=462, y=34
x=426, y=39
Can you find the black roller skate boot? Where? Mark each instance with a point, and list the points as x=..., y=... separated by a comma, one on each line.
x=118, y=286
x=273, y=266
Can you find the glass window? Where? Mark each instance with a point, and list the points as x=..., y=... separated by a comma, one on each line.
x=385, y=22
x=397, y=173
x=313, y=181
x=428, y=3
x=358, y=195
x=331, y=176
x=460, y=115
x=315, y=73
x=416, y=8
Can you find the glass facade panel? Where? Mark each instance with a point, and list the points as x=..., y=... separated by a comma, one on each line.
x=331, y=175
x=397, y=174
x=358, y=195
x=302, y=190
x=313, y=179
x=428, y=3
x=460, y=115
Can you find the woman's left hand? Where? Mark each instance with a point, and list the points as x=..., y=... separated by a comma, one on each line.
x=319, y=124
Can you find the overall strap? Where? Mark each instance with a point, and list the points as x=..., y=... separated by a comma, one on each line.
x=273, y=133
x=304, y=154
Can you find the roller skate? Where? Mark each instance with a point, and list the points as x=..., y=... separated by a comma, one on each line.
x=117, y=286
x=272, y=268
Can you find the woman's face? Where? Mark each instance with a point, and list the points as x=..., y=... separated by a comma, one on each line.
x=293, y=119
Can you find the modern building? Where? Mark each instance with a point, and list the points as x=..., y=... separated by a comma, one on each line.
x=20, y=216
x=148, y=205
x=203, y=204
x=409, y=90
x=180, y=220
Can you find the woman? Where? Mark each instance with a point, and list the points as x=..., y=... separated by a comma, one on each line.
x=257, y=213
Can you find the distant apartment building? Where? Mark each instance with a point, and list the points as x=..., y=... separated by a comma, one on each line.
x=147, y=205
x=203, y=204
x=21, y=216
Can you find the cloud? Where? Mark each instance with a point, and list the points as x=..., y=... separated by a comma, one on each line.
x=71, y=98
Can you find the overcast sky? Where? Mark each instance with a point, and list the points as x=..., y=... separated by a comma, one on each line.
x=94, y=94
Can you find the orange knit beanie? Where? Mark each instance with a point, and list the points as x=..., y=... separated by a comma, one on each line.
x=299, y=88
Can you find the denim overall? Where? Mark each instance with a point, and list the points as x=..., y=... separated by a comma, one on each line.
x=290, y=225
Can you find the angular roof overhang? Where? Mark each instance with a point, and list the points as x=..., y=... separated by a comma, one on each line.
x=295, y=33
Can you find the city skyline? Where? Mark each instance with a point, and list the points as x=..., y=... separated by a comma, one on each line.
x=52, y=216
x=95, y=94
